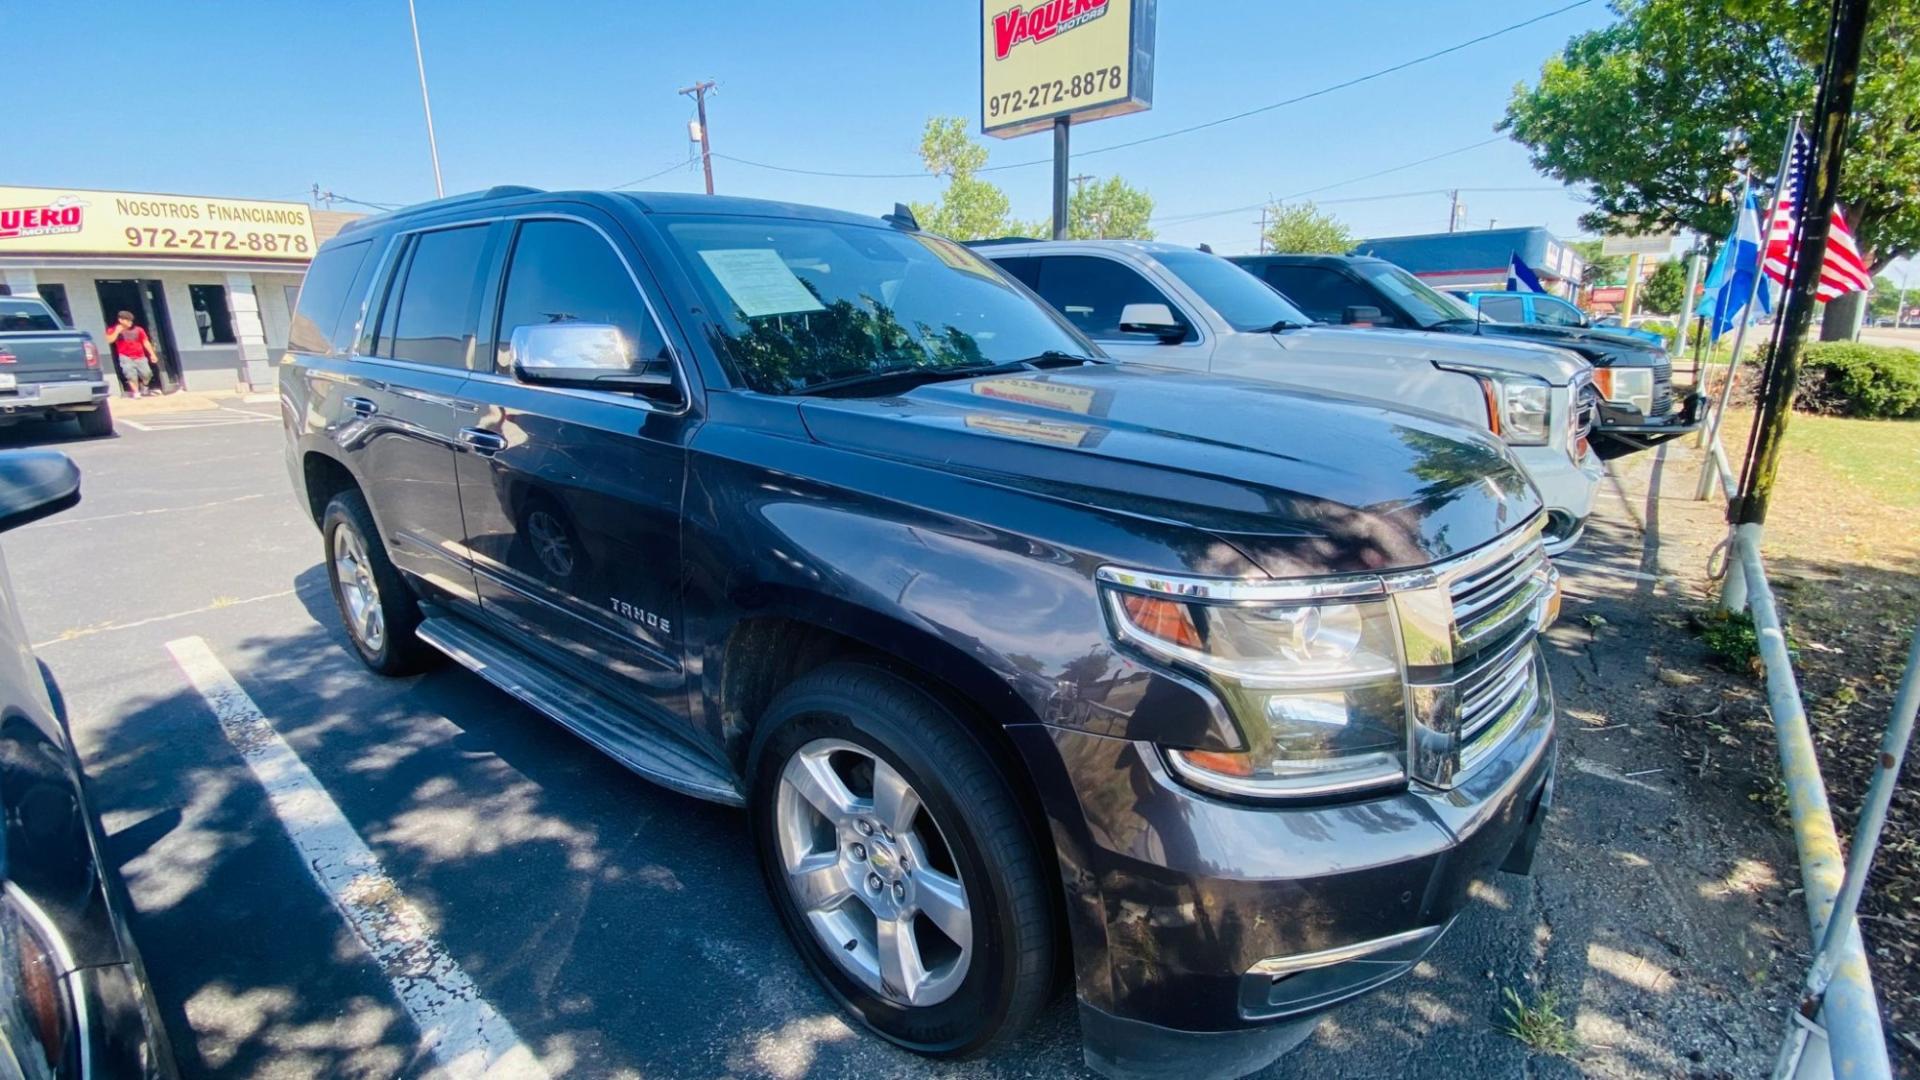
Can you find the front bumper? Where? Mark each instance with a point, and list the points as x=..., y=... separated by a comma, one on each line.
x=1567, y=488
x=1623, y=429
x=1209, y=935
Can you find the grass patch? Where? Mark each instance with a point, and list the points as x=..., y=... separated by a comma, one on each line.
x=1731, y=638
x=1539, y=1025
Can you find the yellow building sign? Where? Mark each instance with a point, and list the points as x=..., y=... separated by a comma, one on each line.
x=1083, y=59
x=67, y=221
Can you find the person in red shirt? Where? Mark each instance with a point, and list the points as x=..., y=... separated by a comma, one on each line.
x=134, y=351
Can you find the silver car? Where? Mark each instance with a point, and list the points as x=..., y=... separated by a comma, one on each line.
x=1172, y=306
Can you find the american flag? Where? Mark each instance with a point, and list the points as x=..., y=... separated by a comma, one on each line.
x=1843, y=271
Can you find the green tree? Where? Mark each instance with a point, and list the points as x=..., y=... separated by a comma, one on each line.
x=1305, y=228
x=1600, y=269
x=1666, y=288
x=1109, y=209
x=970, y=208
x=1641, y=112
x=1885, y=297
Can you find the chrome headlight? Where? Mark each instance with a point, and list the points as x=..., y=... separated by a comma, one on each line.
x=1315, y=688
x=1632, y=386
x=1519, y=407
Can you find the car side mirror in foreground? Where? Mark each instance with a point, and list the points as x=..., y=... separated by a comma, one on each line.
x=35, y=484
x=586, y=356
x=1361, y=315
x=1155, y=319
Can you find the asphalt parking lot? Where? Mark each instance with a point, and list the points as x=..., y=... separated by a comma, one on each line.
x=614, y=929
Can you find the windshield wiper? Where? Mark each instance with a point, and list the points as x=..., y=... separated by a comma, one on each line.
x=909, y=377
x=1052, y=358
x=1283, y=325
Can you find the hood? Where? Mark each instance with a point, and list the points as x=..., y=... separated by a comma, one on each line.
x=1599, y=345
x=1557, y=366
x=1302, y=484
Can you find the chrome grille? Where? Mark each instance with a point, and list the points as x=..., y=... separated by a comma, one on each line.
x=1494, y=599
x=1662, y=388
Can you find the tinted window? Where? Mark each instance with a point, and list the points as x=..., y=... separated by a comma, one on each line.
x=1027, y=271
x=434, y=306
x=211, y=316
x=1556, y=312
x=1504, y=308
x=1324, y=294
x=1427, y=305
x=56, y=298
x=1244, y=301
x=803, y=301
x=1091, y=292
x=17, y=316
x=563, y=271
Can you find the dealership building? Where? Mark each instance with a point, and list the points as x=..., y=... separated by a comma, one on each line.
x=1478, y=259
x=212, y=279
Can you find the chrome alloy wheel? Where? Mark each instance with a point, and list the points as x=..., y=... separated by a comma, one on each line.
x=869, y=868
x=359, y=596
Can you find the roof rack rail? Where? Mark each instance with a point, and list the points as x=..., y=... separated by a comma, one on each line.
x=498, y=191
x=990, y=241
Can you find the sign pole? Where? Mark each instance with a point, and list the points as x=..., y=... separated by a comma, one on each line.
x=1061, y=167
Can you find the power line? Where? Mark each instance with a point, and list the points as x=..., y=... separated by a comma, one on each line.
x=1321, y=92
x=662, y=172
x=1178, y=218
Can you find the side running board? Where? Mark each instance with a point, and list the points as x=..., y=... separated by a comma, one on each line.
x=631, y=738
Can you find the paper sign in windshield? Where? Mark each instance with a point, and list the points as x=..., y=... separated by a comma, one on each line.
x=760, y=282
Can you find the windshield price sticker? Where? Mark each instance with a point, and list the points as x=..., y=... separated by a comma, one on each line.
x=760, y=282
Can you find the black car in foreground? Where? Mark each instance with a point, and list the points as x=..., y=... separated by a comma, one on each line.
x=74, y=1001
x=1020, y=661
x=1634, y=378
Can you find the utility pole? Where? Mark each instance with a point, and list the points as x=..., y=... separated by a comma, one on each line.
x=698, y=91
x=1263, y=230
x=433, y=146
x=1060, y=170
x=1453, y=214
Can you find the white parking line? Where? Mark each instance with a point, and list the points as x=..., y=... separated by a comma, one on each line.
x=466, y=1036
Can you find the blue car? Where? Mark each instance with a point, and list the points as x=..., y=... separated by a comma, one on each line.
x=1543, y=310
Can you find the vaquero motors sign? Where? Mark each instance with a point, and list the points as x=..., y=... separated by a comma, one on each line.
x=1015, y=25
x=52, y=221
x=62, y=215
x=1080, y=59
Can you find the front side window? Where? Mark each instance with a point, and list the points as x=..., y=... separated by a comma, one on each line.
x=565, y=271
x=1092, y=292
x=802, y=302
x=431, y=311
x=1243, y=300
x=1554, y=312
x=1508, y=309
x=1325, y=295
x=1427, y=305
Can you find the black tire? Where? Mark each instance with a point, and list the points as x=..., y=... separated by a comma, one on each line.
x=1010, y=975
x=97, y=422
x=399, y=651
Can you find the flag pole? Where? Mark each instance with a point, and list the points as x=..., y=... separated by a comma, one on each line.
x=1740, y=333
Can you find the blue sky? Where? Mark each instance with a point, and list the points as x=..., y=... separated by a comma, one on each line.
x=263, y=99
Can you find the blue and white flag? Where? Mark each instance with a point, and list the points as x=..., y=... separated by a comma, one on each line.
x=1732, y=277
x=1520, y=278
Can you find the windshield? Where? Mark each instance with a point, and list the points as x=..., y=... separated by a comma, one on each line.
x=21, y=315
x=1244, y=301
x=805, y=303
x=1427, y=305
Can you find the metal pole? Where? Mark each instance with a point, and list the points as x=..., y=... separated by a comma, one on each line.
x=1633, y=288
x=1060, y=168
x=1842, y=924
x=699, y=92
x=1453, y=213
x=1696, y=268
x=426, y=103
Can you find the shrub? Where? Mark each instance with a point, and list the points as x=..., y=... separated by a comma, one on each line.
x=1851, y=379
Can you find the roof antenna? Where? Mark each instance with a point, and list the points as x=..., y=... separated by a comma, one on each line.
x=902, y=217
x=1208, y=248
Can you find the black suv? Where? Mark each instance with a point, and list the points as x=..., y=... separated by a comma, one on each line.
x=1021, y=662
x=1634, y=378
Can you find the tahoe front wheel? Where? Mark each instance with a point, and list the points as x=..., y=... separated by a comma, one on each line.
x=900, y=862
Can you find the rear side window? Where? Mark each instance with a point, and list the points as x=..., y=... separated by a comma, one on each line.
x=1511, y=309
x=563, y=271
x=21, y=316
x=1091, y=292
x=1324, y=294
x=323, y=296
x=1026, y=271
x=431, y=311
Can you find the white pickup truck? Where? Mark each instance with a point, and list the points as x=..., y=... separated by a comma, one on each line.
x=49, y=371
x=1172, y=306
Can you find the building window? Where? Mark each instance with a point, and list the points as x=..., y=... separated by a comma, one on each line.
x=210, y=314
x=56, y=298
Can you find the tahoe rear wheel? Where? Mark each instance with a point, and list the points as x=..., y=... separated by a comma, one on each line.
x=376, y=605
x=900, y=862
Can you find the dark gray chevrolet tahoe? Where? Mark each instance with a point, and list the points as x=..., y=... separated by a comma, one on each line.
x=1025, y=665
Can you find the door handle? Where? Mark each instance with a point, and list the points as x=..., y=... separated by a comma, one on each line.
x=362, y=407
x=481, y=441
